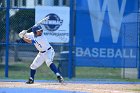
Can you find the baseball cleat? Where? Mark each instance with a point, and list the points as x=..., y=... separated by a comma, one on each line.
x=30, y=81
x=60, y=79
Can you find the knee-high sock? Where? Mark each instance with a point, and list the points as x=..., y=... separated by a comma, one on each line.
x=54, y=69
x=32, y=73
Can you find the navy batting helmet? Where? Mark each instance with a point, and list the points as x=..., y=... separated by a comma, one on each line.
x=36, y=28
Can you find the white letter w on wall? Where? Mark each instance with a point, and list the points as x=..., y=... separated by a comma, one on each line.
x=97, y=16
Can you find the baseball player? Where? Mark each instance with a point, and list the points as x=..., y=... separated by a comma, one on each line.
x=46, y=52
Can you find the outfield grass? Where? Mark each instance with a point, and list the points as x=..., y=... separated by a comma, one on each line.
x=21, y=70
x=93, y=72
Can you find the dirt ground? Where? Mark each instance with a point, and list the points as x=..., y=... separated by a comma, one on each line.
x=89, y=88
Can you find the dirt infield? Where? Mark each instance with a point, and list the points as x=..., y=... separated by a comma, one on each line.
x=91, y=88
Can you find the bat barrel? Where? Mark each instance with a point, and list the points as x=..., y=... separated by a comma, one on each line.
x=46, y=18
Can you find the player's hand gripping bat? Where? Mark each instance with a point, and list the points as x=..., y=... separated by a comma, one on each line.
x=23, y=32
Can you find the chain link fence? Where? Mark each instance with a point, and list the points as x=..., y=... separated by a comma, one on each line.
x=21, y=54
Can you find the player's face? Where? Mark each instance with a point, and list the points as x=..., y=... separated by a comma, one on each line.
x=39, y=32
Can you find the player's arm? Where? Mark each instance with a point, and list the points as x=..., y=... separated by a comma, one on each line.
x=27, y=39
x=22, y=35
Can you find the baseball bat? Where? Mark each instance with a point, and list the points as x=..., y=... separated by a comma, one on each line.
x=38, y=23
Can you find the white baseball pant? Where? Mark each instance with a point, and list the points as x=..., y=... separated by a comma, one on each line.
x=43, y=57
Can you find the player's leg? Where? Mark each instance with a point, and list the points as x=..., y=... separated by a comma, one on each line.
x=56, y=72
x=38, y=61
x=49, y=61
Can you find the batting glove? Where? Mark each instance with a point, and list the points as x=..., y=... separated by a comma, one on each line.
x=22, y=33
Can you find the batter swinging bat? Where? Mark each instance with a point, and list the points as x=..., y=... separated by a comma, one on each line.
x=38, y=23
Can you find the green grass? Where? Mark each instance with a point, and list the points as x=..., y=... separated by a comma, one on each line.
x=94, y=72
x=21, y=70
x=102, y=73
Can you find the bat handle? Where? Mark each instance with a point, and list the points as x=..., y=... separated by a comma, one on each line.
x=29, y=29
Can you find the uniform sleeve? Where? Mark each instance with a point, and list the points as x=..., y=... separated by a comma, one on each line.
x=30, y=35
x=33, y=41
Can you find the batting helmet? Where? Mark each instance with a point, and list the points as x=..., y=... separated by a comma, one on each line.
x=36, y=28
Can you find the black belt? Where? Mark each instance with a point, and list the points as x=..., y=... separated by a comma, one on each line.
x=49, y=48
x=45, y=51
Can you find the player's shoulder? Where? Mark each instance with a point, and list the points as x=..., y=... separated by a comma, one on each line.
x=44, y=36
x=30, y=34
